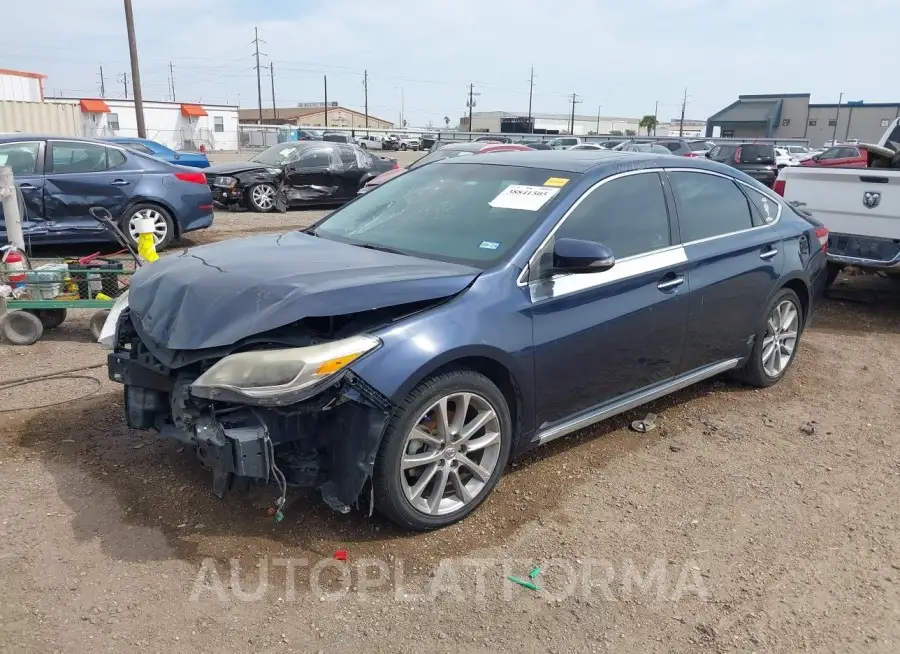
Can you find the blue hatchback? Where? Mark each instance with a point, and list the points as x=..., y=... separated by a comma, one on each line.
x=61, y=178
x=160, y=151
x=408, y=345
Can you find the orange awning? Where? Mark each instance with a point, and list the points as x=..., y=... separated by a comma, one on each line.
x=94, y=107
x=193, y=110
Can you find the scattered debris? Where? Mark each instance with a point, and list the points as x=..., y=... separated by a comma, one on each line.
x=523, y=583
x=340, y=555
x=769, y=422
x=534, y=573
x=809, y=429
x=138, y=446
x=675, y=448
x=645, y=425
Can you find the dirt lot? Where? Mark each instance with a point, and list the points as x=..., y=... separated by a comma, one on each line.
x=747, y=521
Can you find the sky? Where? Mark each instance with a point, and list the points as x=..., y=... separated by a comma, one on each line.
x=619, y=57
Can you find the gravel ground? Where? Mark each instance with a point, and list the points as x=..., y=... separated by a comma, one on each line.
x=749, y=520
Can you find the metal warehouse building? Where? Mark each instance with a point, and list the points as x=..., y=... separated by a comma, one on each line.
x=791, y=115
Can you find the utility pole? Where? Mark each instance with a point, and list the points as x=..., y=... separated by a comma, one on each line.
x=272, y=75
x=402, y=108
x=681, y=122
x=837, y=117
x=124, y=79
x=655, y=116
x=598, y=119
x=471, y=103
x=258, y=73
x=102, y=83
x=325, y=78
x=530, y=93
x=135, y=72
x=172, y=80
x=574, y=101
x=366, y=92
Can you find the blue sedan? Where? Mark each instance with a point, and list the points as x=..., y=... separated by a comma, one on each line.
x=61, y=178
x=408, y=345
x=158, y=150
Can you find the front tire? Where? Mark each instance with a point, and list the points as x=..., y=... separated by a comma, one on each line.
x=403, y=146
x=261, y=198
x=776, y=342
x=443, y=451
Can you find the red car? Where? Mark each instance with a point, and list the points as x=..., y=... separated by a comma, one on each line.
x=446, y=152
x=863, y=155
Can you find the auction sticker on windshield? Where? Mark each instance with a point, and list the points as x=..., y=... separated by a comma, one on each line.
x=556, y=181
x=526, y=198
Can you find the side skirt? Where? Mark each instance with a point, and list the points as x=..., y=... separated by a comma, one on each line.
x=630, y=401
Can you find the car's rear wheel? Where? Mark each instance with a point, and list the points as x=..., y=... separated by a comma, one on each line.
x=403, y=146
x=362, y=144
x=443, y=451
x=163, y=225
x=776, y=342
x=261, y=198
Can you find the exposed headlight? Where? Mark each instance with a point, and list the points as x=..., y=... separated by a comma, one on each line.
x=224, y=181
x=108, y=333
x=276, y=376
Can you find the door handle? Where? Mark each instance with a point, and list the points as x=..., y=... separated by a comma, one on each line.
x=120, y=182
x=667, y=284
x=768, y=254
x=27, y=187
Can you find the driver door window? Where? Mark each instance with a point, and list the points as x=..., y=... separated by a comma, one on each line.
x=628, y=215
x=314, y=159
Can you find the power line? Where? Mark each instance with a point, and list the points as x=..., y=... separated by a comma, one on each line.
x=256, y=42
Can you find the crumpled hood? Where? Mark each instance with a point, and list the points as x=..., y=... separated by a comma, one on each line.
x=235, y=167
x=215, y=295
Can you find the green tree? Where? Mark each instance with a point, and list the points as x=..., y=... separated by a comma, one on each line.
x=615, y=132
x=649, y=123
x=630, y=132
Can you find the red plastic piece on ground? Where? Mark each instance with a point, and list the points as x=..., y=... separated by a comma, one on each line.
x=340, y=555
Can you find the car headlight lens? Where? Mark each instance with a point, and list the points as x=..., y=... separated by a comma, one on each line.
x=273, y=376
x=224, y=181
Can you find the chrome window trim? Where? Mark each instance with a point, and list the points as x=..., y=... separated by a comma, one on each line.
x=522, y=282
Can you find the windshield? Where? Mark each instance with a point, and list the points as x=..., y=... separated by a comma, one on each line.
x=465, y=213
x=279, y=154
x=437, y=155
x=697, y=146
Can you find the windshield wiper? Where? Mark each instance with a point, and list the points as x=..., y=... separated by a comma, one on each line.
x=380, y=248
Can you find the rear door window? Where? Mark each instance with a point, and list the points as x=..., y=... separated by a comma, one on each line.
x=76, y=157
x=672, y=146
x=709, y=205
x=21, y=157
x=628, y=215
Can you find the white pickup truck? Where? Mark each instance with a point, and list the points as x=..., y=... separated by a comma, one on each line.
x=859, y=206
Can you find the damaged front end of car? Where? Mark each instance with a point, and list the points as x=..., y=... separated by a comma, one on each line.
x=281, y=407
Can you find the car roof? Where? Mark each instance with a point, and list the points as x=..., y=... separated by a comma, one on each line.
x=599, y=162
x=21, y=136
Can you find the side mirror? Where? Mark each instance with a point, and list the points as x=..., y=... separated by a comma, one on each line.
x=177, y=156
x=816, y=157
x=571, y=255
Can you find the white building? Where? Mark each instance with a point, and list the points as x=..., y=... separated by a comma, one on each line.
x=21, y=86
x=491, y=121
x=178, y=125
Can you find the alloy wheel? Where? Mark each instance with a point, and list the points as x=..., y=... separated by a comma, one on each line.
x=781, y=338
x=160, y=228
x=450, y=454
x=263, y=196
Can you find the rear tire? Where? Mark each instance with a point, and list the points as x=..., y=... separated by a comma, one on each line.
x=163, y=224
x=774, y=349
x=403, y=146
x=50, y=318
x=462, y=491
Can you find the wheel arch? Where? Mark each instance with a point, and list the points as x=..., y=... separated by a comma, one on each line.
x=493, y=364
x=801, y=288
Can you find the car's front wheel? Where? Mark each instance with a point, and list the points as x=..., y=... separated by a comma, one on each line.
x=443, y=451
x=775, y=345
x=261, y=198
x=403, y=146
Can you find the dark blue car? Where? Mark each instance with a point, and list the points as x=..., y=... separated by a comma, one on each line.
x=412, y=342
x=160, y=151
x=61, y=178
